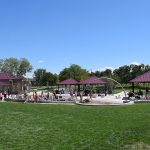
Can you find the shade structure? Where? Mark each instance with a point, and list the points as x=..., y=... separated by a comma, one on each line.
x=144, y=78
x=70, y=81
x=9, y=76
x=93, y=81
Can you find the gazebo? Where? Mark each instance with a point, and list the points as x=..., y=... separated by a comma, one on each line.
x=68, y=82
x=92, y=81
x=144, y=78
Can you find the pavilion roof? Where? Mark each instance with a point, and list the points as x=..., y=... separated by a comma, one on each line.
x=144, y=78
x=93, y=80
x=9, y=76
x=70, y=81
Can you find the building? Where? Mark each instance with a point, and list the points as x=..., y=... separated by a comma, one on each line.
x=11, y=83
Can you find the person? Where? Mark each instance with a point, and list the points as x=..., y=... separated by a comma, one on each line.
x=26, y=97
x=35, y=97
x=48, y=96
x=81, y=97
x=90, y=94
x=54, y=95
x=140, y=93
x=71, y=94
x=5, y=94
x=8, y=91
x=42, y=94
x=130, y=94
x=76, y=94
x=147, y=91
x=105, y=93
x=62, y=91
x=1, y=96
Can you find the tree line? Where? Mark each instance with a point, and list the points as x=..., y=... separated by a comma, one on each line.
x=42, y=77
x=122, y=74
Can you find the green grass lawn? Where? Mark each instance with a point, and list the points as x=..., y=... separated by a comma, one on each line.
x=72, y=127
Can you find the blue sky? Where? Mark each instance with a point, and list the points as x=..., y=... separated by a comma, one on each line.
x=94, y=34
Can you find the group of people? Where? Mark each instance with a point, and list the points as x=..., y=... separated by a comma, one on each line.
x=80, y=94
x=139, y=95
x=3, y=95
x=36, y=97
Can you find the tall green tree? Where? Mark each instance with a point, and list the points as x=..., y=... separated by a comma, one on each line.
x=10, y=65
x=38, y=75
x=16, y=66
x=44, y=78
x=49, y=79
x=122, y=74
x=74, y=71
x=147, y=68
x=106, y=73
x=24, y=66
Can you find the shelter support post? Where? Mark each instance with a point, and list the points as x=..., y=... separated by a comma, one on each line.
x=78, y=87
x=133, y=87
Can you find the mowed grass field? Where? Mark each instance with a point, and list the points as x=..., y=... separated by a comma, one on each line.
x=72, y=127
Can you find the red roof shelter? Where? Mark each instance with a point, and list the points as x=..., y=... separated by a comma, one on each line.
x=93, y=81
x=144, y=78
x=9, y=76
x=70, y=81
x=90, y=81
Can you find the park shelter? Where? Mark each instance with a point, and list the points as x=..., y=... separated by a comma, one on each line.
x=68, y=82
x=92, y=81
x=144, y=78
x=13, y=83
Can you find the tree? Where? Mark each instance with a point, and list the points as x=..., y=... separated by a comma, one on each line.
x=123, y=74
x=1, y=64
x=64, y=74
x=10, y=65
x=44, y=78
x=24, y=66
x=147, y=68
x=16, y=66
x=96, y=73
x=38, y=76
x=106, y=73
x=74, y=71
x=49, y=79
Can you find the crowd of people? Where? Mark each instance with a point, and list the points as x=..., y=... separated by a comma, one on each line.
x=3, y=95
x=39, y=96
x=139, y=95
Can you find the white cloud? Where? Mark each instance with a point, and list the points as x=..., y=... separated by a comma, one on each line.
x=135, y=63
x=40, y=61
